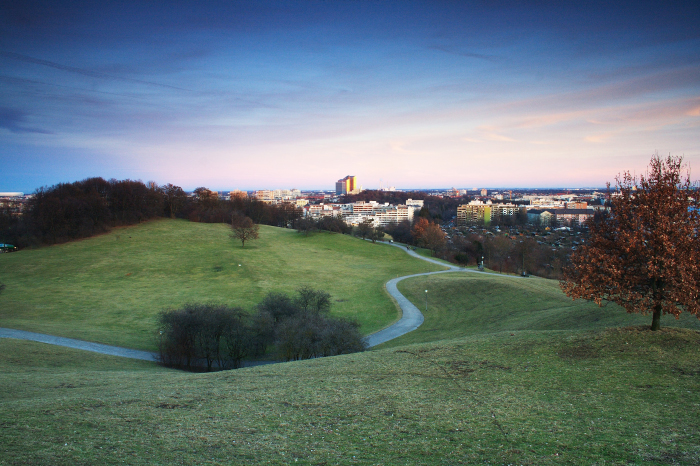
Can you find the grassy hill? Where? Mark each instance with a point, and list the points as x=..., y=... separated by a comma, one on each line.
x=462, y=304
x=503, y=371
x=111, y=287
x=617, y=396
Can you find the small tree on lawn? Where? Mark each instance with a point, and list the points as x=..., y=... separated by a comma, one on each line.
x=243, y=229
x=644, y=254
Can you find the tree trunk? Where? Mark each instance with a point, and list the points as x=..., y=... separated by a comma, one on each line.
x=656, y=319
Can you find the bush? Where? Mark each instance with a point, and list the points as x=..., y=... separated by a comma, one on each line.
x=213, y=336
x=199, y=335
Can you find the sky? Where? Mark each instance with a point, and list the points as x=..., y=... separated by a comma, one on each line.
x=298, y=94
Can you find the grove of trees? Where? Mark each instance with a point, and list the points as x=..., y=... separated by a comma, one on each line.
x=68, y=211
x=644, y=254
x=212, y=336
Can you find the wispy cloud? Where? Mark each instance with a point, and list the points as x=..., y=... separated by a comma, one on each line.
x=13, y=120
x=83, y=71
x=460, y=53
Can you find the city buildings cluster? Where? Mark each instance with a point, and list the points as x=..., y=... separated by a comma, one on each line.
x=536, y=209
x=488, y=206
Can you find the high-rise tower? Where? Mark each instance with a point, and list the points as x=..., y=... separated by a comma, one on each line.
x=347, y=185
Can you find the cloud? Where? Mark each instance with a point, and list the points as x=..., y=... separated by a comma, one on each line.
x=479, y=56
x=82, y=71
x=12, y=120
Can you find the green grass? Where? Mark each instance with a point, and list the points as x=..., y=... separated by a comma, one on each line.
x=110, y=288
x=503, y=371
x=462, y=304
x=618, y=396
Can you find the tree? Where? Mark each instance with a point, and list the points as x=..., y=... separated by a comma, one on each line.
x=174, y=198
x=429, y=235
x=305, y=225
x=433, y=238
x=419, y=227
x=204, y=333
x=644, y=254
x=243, y=229
x=310, y=300
x=2, y=287
x=365, y=227
x=377, y=234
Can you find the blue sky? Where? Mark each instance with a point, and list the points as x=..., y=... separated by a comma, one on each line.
x=244, y=95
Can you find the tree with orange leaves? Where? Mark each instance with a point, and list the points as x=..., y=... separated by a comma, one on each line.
x=644, y=254
x=429, y=235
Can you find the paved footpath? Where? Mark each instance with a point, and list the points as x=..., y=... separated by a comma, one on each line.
x=411, y=319
x=78, y=344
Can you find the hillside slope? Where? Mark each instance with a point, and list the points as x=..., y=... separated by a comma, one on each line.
x=110, y=288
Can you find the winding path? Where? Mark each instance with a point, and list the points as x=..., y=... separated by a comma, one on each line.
x=78, y=344
x=411, y=319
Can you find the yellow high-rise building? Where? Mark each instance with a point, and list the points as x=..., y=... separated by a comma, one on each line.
x=347, y=185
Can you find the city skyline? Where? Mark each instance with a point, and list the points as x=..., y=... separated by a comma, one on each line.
x=422, y=94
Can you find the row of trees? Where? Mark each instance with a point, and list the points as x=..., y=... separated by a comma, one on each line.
x=508, y=255
x=211, y=336
x=85, y=208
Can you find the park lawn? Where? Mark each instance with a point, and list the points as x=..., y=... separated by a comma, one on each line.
x=466, y=303
x=611, y=396
x=110, y=288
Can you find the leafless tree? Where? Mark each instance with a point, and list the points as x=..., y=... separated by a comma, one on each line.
x=243, y=229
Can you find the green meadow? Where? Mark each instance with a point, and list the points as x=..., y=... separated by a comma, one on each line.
x=467, y=303
x=503, y=371
x=110, y=288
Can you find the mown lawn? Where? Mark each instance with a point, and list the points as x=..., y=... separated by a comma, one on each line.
x=616, y=396
x=110, y=288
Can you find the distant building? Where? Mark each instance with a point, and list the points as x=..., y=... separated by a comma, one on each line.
x=480, y=213
x=541, y=217
x=347, y=185
x=474, y=213
x=264, y=195
x=572, y=217
x=417, y=204
x=484, y=192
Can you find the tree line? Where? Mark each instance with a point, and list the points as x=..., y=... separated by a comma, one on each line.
x=68, y=211
x=282, y=327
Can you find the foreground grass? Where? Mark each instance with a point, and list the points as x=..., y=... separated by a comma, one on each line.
x=110, y=288
x=613, y=396
x=462, y=304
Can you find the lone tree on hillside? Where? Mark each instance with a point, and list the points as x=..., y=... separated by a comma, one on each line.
x=2, y=287
x=243, y=229
x=644, y=254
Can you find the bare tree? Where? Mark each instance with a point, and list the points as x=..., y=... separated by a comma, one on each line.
x=243, y=229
